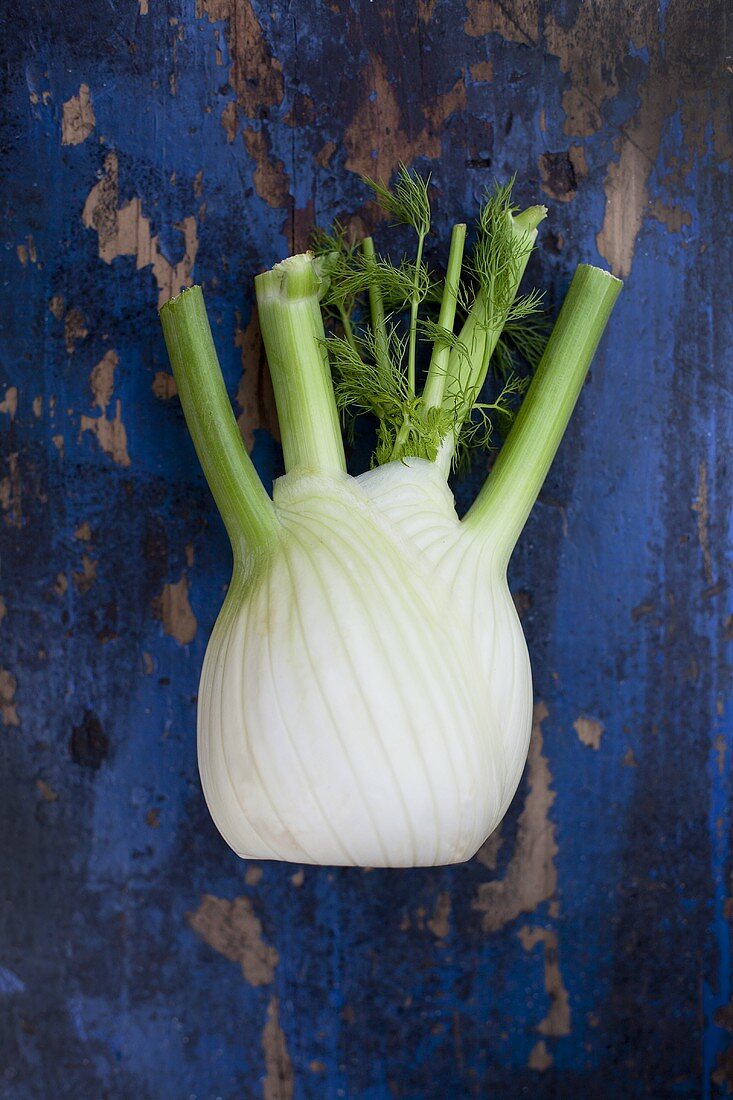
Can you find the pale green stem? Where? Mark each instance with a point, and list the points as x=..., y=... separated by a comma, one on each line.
x=414, y=306
x=400, y=439
x=481, y=330
x=434, y=391
x=505, y=501
x=245, y=507
x=294, y=338
x=376, y=310
x=348, y=330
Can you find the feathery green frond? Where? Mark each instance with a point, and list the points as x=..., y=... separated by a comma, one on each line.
x=385, y=309
x=529, y=336
x=434, y=333
x=498, y=254
x=525, y=307
x=397, y=283
x=363, y=384
x=504, y=359
x=477, y=433
x=407, y=201
x=334, y=260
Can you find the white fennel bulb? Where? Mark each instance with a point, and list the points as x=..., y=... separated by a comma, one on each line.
x=366, y=694
x=361, y=701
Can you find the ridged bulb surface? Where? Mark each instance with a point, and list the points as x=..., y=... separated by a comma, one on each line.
x=366, y=693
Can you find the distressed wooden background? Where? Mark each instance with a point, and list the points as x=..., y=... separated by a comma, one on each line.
x=586, y=951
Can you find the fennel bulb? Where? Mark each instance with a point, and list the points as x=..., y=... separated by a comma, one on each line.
x=366, y=695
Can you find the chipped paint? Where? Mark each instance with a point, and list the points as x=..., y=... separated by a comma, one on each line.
x=164, y=385
x=87, y=575
x=27, y=252
x=439, y=923
x=253, y=874
x=539, y=1057
x=702, y=508
x=233, y=929
x=670, y=77
x=376, y=139
x=46, y=791
x=517, y=22
x=279, y=1080
x=257, y=80
x=9, y=404
x=593, y=54
x=255, y=396
x=77, y=121
x=57, y=305
x=673, y=217
x=229, y=120
x=624, y=614
x=589, y=731
x=269, y=177
x=8, y=709
x=488, y=853
x=11, y=493
x=125, y=231
x=531, y=876
x=626, y=201
x=557, y=1022
x=111, y=434
x=720, y=747
x=174, y=609
x=102, y=379
x=324, y=155
x=75, y=329
x=255, y=75
x=425, y=9
x=590, y=51
x=482, y=72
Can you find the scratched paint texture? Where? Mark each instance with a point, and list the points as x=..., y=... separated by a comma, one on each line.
x=586, y=950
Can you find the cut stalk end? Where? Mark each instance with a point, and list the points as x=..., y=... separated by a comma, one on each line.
x=530, y=218
x=292, y=278
x=294, y=338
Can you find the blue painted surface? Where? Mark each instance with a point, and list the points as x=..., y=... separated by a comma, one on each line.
x=106, y=987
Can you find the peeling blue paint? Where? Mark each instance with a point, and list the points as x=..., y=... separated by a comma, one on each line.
x=105, y=988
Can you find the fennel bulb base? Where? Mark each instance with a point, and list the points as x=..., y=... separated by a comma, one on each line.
x=366, y=694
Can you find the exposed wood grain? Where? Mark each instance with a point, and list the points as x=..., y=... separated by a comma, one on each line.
x=150, y=144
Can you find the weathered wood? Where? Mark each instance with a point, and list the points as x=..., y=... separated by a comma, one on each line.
x=586, y=951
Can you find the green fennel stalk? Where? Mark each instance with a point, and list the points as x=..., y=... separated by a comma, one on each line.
x=373, y=364
x=240, y=496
